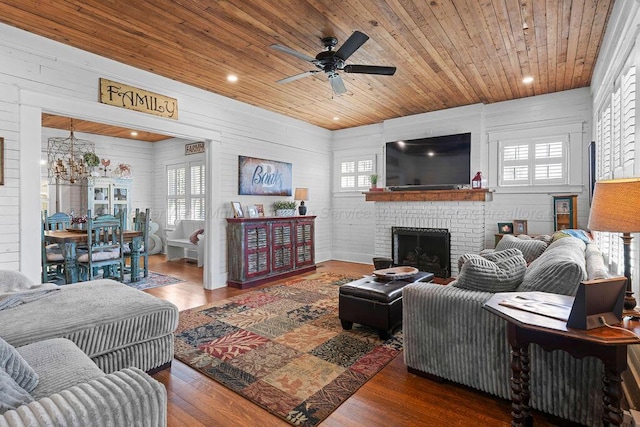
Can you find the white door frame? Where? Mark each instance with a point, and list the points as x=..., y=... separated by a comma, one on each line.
x=33, y=103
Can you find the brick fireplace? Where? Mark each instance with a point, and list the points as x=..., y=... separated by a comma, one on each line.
x=427, y=249
x=463, y=217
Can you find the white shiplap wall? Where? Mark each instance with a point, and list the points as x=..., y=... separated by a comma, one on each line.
x=353, y=237
x=41, y=75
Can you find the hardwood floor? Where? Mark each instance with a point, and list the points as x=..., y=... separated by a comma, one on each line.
x=393, y=397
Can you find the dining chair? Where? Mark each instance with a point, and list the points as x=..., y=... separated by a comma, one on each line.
x=52, y=258
x=104, y=248
x=140, y=223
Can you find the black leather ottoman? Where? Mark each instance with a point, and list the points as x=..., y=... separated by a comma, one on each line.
x=374, y=302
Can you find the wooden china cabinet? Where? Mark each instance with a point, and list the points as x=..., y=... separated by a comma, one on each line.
x=266, y=248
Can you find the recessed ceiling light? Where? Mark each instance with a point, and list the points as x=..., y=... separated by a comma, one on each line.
x=527, y=80
x=431, y=154
x=232, y=78
x=134, y=133
x=43, y=162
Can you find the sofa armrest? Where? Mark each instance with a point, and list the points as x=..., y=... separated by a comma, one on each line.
x=448, y=334
x=176, y=233
x=128, y=397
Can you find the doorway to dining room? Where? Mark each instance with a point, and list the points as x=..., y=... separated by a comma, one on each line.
x=31, y=131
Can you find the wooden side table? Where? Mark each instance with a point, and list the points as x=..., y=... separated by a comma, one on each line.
x=608, y=345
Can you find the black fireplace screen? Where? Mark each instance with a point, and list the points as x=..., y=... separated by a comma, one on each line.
x=427, y=249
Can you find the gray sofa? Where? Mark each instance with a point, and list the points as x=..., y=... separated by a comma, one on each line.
x=90, y=344
x=448, y=334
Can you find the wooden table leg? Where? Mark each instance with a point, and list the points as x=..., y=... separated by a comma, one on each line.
x=70, y=266
x=135, y=258
x=520, y=411
x=612, y=393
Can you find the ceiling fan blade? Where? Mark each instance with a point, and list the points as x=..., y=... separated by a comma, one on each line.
x=337, y=84
x=297, y=76
x=352, y=44
x=370, y=69
x=293, y=52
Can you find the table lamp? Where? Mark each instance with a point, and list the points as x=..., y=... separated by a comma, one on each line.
x=614, y=208
x=302, y=194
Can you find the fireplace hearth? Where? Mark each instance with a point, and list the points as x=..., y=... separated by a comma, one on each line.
x=427, y=249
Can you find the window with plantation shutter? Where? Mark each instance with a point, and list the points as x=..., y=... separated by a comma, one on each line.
x=185, y=192
x=628, y=118
x=615, y=150
x=197, y=191
x=355, y=173
x=534, y=161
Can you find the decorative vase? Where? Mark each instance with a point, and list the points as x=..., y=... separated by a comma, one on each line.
x=285, y=212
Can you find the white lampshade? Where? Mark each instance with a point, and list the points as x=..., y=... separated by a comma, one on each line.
x=616, y=206
x=301, y=194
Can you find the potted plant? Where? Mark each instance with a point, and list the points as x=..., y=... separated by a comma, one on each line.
x=284, y=208
x=374, y=181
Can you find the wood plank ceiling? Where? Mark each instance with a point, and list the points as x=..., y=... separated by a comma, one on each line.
x=448, y=52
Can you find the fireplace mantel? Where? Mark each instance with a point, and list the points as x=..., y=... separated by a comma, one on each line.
x=427, y=196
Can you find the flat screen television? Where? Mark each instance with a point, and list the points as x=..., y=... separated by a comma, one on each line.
x=439, y=162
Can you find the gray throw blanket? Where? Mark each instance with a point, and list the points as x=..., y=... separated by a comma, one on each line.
x=16, y=289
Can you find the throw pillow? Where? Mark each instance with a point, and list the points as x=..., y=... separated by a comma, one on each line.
x=559, y=270
x=194, y=236
x=596, y=267
x=14, y=365
x=12, y=395
x=495, y=272
x=531, y=249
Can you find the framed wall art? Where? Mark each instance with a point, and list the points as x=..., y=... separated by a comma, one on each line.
x=263, y=177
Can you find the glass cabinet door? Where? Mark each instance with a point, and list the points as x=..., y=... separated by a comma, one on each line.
x=101, y=200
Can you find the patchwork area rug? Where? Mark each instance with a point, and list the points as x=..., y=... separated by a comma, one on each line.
x=283, y=348
x=153, y=280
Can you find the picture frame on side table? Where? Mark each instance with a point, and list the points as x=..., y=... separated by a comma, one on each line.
x=519, y=226
x=252, y=212
x=237, y=210
x=260, y=209
x=505, y=227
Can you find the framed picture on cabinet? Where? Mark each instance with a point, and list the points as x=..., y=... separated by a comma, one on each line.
x=505, y=227
x=252, y=212
x=519, y=226
x=237, y=210
x=260, y=209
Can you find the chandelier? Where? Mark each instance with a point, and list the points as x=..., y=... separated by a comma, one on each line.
x=67, y=158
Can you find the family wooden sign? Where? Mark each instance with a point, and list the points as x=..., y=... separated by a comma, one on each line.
x=133, y=98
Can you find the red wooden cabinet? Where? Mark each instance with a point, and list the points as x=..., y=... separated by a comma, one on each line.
x=263, y=249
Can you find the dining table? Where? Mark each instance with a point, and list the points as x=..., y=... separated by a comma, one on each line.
x=70, y=239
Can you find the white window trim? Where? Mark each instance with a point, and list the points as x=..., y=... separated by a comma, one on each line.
x=531, y=161
x=338, y=172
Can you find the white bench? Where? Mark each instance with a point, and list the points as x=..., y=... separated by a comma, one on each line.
x=178, y=244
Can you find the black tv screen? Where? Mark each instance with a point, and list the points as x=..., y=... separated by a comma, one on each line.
x=439, y=162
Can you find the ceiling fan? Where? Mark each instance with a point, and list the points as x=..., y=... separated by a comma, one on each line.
x=331, y=61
